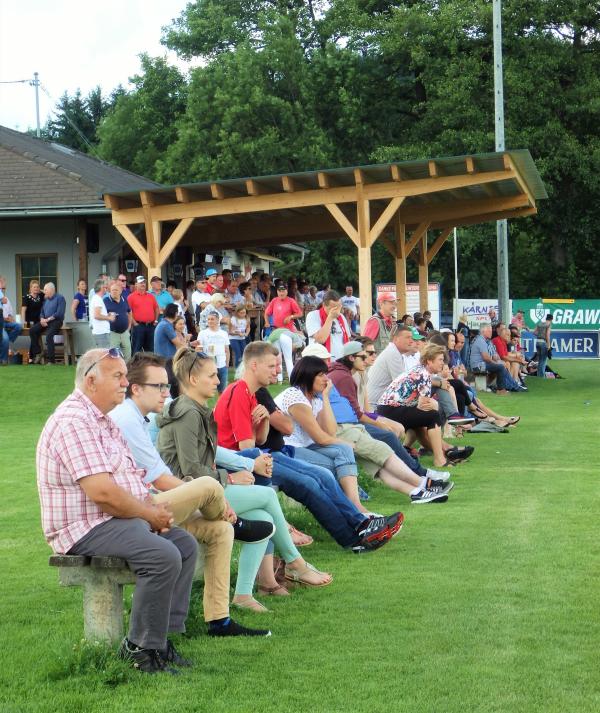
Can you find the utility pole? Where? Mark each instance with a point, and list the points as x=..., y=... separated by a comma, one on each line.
x=36, y=83
x=501, y=225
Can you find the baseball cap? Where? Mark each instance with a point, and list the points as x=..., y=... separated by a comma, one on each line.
x=386, y=297
x=415, y=334
x=316, y=350
x=140, y=278
x=351, y=348
x=211, y=271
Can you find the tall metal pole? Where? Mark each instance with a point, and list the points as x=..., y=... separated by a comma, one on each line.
x=501, y=225
x=36, y=84
x=455, y=268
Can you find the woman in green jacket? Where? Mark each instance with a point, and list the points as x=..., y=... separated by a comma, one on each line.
x=187, y=442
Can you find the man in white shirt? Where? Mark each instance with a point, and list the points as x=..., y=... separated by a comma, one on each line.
x=211, y=515
x=391, y=362
x=328, y=326
x=100, y=318
x=352, y=304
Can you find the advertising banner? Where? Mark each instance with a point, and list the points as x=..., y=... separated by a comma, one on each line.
x=568, y=314
x=412, y=298
x=476, y=310
x=572, y=344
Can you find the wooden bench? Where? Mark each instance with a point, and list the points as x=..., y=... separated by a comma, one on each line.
x=68, y=344
x=102, y=579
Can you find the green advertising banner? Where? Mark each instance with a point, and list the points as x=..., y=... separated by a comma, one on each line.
x=568, y=314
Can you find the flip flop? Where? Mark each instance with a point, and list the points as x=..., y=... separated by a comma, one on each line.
x=300, y=539
x=278, y=591
x=513, y=420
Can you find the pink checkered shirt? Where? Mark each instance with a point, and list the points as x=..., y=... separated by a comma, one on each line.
x=79, y=440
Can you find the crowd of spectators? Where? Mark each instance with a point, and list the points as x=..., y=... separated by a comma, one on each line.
x=137, y=463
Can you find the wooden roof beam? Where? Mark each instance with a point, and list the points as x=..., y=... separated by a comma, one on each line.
x=343, y=222
x=254, y=188
x=433, y=169
x=290, y=184
x=417, y=234
x=470, y=165
x=119, y=202
x=217, y=191
x=151, y=198
x=486, y=218
x=310, y=197
x=438, y=244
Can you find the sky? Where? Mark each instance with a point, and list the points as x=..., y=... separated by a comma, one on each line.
x=74, y=44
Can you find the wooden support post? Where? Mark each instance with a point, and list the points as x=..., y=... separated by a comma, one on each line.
x=83, y=253
x=364, y=257
x=423, y=275
x=400, y=240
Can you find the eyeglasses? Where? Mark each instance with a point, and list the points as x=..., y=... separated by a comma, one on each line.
x=199, y=355
x=113, y=352
x=122, y=279
x=370, y=352
x=361, y=356
x=166, y=388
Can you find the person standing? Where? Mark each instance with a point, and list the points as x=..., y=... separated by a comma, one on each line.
x=352, y=304
x=52, y=316
x=163, y=297
x=166, y=340
x=379, y=326
x=100, y=317
x=211, y=280
x=145, y=312
x=120, y=327
x=125, y=291
x=542, y=343
x=215, y=342
x=79, y=305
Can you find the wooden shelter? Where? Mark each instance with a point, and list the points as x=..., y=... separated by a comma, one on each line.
x=412, y=207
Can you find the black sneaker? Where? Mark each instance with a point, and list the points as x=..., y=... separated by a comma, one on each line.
x=379, y=530
x=170, y=655
x=428, y=496
x=445, y=485
x=252, y=530
x=232, y=628
x=457, y=454
x=145, y=660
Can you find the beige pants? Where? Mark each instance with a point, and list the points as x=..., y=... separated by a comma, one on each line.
x=370, y=453
x=198, y=507
x=123, y=341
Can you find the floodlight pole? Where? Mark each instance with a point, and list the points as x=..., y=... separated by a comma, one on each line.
x=36, y=84
x=456, y=267
x=501, y=225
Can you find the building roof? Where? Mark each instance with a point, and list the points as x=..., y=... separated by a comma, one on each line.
x=43, y=177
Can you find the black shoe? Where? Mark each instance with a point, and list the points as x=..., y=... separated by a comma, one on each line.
x=252, y=530
x=457, y=454
x=145, y=660
x=232, y=628
x=379, y=530
x=428, y=496
x=170, y=655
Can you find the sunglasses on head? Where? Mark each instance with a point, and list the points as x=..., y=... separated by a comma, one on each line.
x=199, y=355
x=113, y=352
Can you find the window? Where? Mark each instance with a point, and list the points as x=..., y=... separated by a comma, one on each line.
x=43, y=268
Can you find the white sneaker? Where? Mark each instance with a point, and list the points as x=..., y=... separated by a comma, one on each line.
x=442, y=475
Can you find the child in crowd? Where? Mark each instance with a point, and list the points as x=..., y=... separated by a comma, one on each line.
x=239, y=329
x=215, y=342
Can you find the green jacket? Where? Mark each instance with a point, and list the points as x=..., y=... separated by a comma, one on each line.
x=187, y=439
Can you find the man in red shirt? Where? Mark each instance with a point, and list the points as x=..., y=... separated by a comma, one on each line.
x=512, y=360
x=283, y=309
x=145, y=312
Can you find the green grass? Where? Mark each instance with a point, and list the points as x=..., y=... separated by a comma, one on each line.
x=488, y=603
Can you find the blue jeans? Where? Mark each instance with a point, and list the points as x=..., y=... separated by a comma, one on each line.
x=392, y=441
x=319, y=492
x=542, y=356
x=503, y=378
x=223, y=375
x=9, y=334
x=237, y=347
x=338, y=458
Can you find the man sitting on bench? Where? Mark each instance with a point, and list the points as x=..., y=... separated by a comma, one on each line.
x=94, y=502
x=484, y=359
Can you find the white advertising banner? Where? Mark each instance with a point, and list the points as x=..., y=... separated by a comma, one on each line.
x=477, y=310
x=412, y=299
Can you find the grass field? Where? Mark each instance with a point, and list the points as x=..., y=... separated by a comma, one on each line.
x=487, y=603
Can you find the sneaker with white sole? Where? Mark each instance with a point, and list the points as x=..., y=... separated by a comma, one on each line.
x=457, y=420
x=435, y=495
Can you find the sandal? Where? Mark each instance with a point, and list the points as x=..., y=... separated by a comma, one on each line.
x=296, y=576
x=513, y=420
x=278, y=591
x=300, y=539
x=252, y=605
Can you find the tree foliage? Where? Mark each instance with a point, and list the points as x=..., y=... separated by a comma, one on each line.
x=287, y=85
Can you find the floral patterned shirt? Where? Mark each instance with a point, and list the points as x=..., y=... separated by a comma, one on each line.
x=406, y=388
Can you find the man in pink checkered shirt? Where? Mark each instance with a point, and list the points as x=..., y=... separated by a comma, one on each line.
x=94, y=502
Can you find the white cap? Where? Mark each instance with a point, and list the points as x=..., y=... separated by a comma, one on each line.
x=316, y=350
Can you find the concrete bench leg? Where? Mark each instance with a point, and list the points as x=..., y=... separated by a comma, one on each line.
x=480, y=382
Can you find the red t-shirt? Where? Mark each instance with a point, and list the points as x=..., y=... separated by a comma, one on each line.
x=282, y=308
x=501, y=346
x=144, y=307
x=233, y=414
